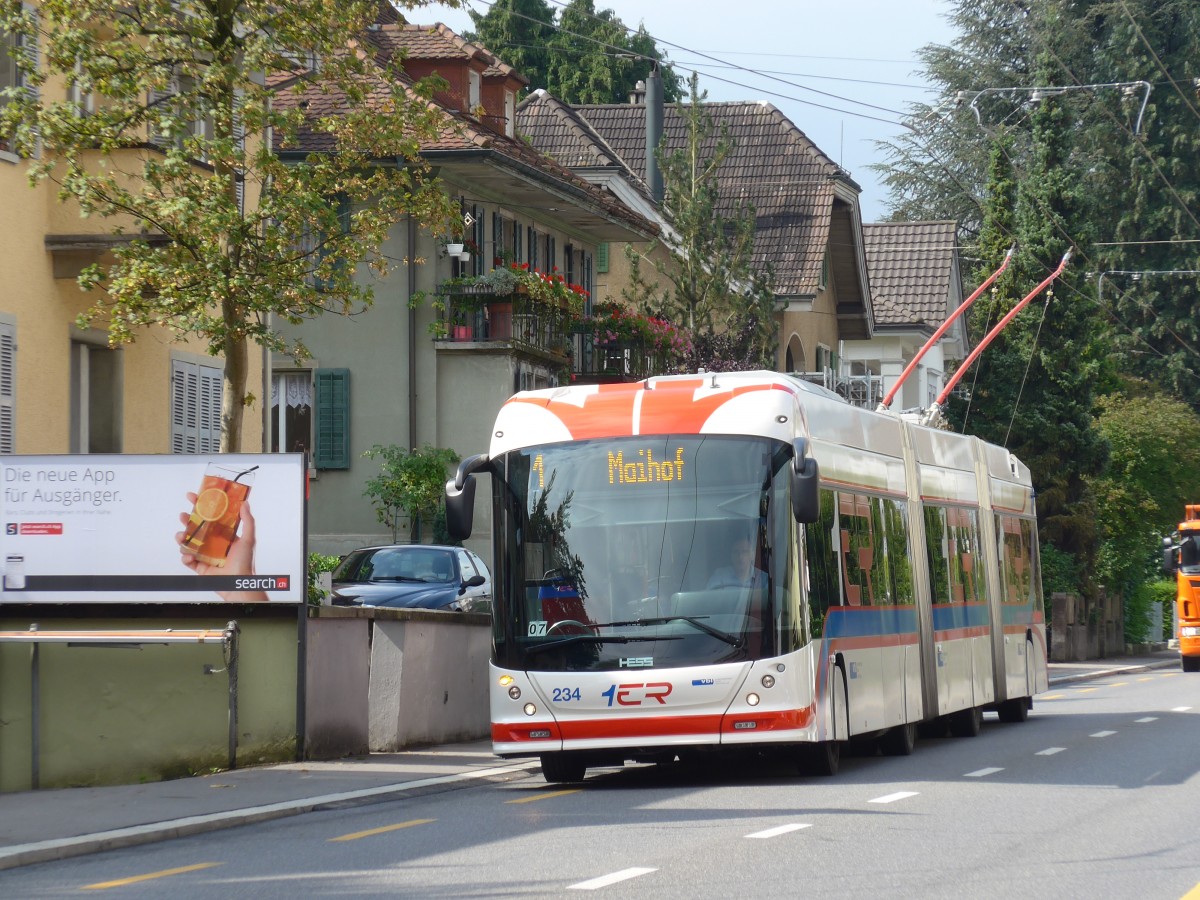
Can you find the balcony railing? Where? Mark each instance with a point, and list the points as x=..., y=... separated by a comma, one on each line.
x=859, y=390
x=595, y=358
x=468, y=316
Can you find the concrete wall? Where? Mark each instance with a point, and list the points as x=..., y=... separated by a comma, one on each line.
x=385, y=679
x=428, y=678
x=122, y=715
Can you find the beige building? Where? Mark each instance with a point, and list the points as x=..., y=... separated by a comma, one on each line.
x=63, y=389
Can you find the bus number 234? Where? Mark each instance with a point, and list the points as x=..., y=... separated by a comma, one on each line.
x=637, y=694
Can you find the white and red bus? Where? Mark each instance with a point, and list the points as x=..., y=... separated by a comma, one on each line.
x=719, y=561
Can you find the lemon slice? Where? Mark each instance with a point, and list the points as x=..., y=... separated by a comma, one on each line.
x=211, y=504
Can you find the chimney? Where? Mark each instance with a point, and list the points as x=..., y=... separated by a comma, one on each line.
x=654, y=130
x=638, y=95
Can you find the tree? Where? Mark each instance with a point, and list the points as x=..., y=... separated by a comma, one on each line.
x=228, y=232
x=410, y=483
x=583, y=57
x=1035, y=386
x=706, y=282
x=1154, y=471
x=519, y=32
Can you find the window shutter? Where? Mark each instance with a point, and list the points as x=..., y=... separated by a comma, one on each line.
x=333, y=419
x=195, y=407
x=239, y=140
x=157, y=101
x=8, y=388
x=602, y=257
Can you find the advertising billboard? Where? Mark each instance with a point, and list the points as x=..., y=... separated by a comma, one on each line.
x=152, y=529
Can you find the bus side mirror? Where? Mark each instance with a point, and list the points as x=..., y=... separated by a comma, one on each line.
x=460, y=497
x=1168, y=565
x=806, y=493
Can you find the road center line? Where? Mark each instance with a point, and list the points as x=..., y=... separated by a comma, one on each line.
x=778, y=830
x=1181, y=709
x=382, y=830
x=149, y=876
x=1050, y=751
x=983, y=773
x=544, y=796
x=892, y=798
x=1102, y=734
x=1051, y=696
x=606, y=880
x=1146, y=719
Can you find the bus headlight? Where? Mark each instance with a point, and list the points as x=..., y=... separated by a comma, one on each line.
x=514, y=692
x=768, y=681
x=752, y=699
x=530, y=709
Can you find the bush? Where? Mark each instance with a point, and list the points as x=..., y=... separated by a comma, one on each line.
x=1139, y=611
x=318, y=563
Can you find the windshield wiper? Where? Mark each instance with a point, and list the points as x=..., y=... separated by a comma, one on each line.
x=593, y=638
x=695, y=622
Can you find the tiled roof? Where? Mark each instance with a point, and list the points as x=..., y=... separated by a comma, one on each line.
x=459, y=133
x=437, y=42
x=774, y=167
x=911, y=266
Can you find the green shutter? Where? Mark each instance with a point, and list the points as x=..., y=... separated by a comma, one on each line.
x=333, y=419
x=602, y=257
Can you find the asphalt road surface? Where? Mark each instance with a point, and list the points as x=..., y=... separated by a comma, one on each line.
x=1097, y=795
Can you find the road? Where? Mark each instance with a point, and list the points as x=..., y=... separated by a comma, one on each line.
x=1094, y=796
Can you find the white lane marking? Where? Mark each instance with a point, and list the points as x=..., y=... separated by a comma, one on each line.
x=1181, y=709
x=605, y=880
x=1102, y=734
x=777, y=831
x=982, y=773
x=1147, y=719
x=1050, y=751
x=892, y=798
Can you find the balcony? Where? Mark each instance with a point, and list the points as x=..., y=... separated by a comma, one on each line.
x=468, y=315
x=595, y=358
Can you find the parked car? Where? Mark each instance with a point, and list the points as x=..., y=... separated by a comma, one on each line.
x=418, y=576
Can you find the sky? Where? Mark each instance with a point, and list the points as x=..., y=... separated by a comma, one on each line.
x=785, y=51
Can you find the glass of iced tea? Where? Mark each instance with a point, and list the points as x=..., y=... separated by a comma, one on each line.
x=213, y=523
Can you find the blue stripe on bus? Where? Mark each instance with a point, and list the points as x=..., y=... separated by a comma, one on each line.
x=960, y=615
x=869, y=621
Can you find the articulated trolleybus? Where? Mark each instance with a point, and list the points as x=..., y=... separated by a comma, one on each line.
x=745, y=561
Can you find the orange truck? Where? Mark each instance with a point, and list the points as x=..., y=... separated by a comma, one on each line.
x=1181, y=556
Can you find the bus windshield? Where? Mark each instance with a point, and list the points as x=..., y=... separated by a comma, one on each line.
x=643, y=551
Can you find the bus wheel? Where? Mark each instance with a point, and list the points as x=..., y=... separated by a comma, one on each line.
x=1190, y=663
x=966, y=722
x=822, y=758
x=1014, y=710
x=900, y=740
x=558, y=768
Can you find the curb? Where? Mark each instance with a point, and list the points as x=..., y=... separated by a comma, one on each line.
x=63, y=848
x=1116, y=670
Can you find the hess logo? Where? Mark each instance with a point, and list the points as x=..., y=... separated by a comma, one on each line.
x=637, y=694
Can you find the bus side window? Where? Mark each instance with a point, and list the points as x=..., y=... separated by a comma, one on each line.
x=824, y=581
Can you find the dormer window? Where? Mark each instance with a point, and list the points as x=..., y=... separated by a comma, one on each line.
x=510, y=113
x=474, y=91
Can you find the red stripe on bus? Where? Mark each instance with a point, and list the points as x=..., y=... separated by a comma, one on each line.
x=654, y=726
x=952, y=634
x=873, y=641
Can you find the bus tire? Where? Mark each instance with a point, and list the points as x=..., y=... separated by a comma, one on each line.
x=1190, y=663
x=562, y=768
x=825, y=757
x=966, y=722
x=899, y=741
x=1014, y=710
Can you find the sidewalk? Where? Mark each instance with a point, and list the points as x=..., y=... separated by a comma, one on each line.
x=39, y=826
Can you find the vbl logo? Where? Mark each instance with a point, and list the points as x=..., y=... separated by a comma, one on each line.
x=637, y=694
x=10, y=528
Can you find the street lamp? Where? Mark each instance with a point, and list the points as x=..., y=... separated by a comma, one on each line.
x=1038, y=94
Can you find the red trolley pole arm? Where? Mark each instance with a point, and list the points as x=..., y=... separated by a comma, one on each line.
x=945, y=326
x=991, y=335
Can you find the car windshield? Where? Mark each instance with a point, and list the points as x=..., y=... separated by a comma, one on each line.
x=671, y=549
x=1189, y=554
x=428, y=565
